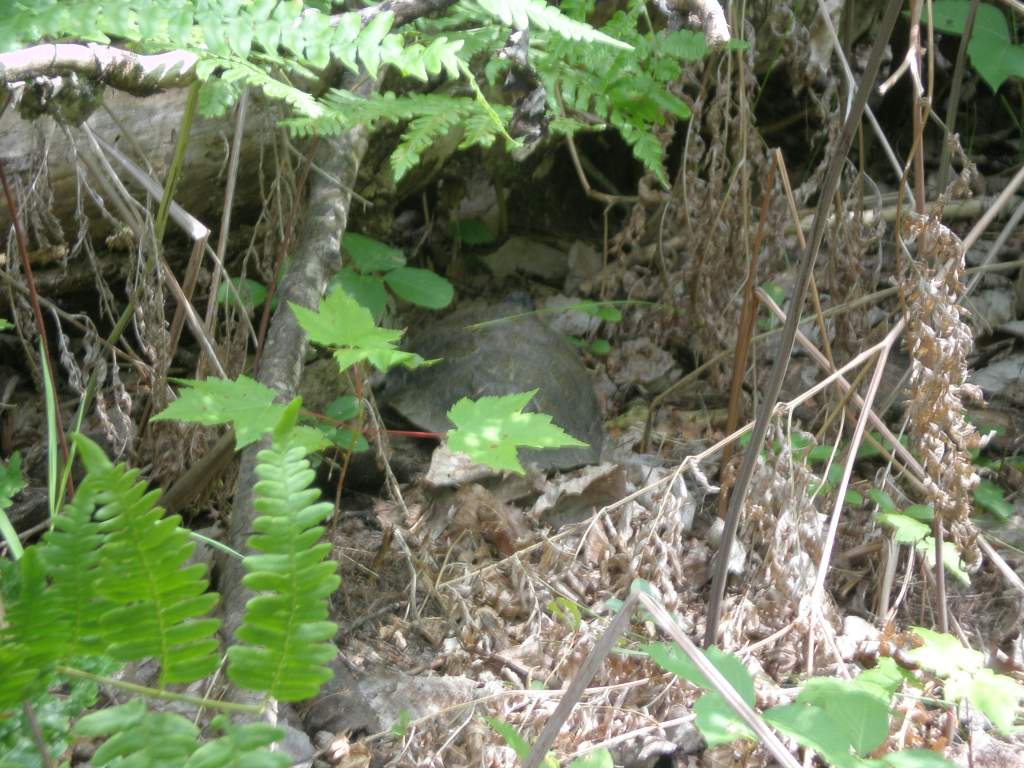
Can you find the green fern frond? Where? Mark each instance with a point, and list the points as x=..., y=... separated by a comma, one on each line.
x=241, y=746
x=135, y=737
x=19, y=677
x=33, y=637
x=71, y=552
x=284, y=639
x=158, y=600
x=522, y=13
x=430, y=116
x=632, y=91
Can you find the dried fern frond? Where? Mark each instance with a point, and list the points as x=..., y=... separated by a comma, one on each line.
x=940, y=340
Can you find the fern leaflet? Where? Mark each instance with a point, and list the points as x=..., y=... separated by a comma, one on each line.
x=158, y=600
x=72, y=554
x=33, y=637
x=284, y=639
x=522, y=13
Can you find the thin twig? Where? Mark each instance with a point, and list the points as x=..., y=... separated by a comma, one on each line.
x=722, y=686
x=210, y=320
x=37, y=312
x=579, y=683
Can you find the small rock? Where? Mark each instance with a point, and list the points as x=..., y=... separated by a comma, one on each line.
x=641, y=362
x=530, y=258
x=448, y=469
x=996, y=378
x=737, y=554
x=569, y=322
x=296, y=745
x=992, y=307
x=584, y=262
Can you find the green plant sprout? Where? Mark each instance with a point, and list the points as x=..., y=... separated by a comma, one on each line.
x=598, y=758
x=376, y=267
x=845, y=721
x=911, y=525
x=990, y=48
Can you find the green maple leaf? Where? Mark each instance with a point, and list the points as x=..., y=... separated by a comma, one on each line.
x=944, y=654
x=244, y=403
x=997, y=697
x=342, y=324
x=492, y=429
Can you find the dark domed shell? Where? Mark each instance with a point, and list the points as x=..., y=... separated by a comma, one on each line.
x=513, y=352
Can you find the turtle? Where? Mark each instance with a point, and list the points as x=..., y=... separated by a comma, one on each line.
x=514, y=351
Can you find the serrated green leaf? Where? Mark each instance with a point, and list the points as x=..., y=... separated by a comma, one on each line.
x=991, y=51
x=882, y=499
x=882, y=680
x=421, y=287
x=12, y=481
x=343, y=408
x=342, y=324
x=952, y=559
x=671, y=658
x=5, y=325
x=944, y=654
x=998, y=697
x=346, y=439
x=492, y=429
x=244, y=403
x=996, y=61
x=922, y=512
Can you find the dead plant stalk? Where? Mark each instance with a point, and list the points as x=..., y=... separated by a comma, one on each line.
x=806, y=268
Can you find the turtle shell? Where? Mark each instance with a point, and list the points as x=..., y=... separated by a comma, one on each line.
x=515, y=353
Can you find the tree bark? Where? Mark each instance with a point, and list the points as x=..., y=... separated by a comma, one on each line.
x=41, y=158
